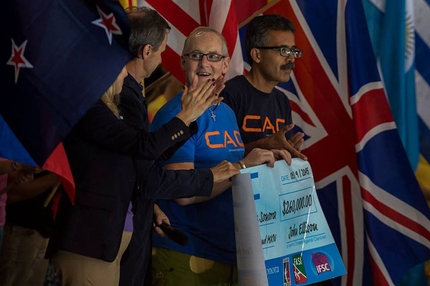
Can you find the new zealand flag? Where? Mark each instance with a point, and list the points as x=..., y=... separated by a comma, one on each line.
x=58, y=56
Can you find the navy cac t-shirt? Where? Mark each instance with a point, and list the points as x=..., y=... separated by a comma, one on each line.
x=258, y=114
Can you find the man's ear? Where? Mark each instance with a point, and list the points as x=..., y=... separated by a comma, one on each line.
x=183, y=63
x=255, y=55
x=225, y=65
x=146, y=51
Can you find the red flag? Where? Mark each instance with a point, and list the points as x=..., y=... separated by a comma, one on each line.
x=58, y=163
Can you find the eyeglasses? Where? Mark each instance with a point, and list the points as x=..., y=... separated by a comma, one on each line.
x=285, y=51
x=131, y=9
x=212, y=57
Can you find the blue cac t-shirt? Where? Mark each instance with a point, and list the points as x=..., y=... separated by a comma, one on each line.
x=209, y=225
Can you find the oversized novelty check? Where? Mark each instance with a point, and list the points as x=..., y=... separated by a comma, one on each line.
x=282, y=236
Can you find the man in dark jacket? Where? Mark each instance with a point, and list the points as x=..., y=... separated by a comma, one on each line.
x=89, y=235
x=147, y=42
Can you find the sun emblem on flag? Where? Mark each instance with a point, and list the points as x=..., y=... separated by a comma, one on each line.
x=409, y=38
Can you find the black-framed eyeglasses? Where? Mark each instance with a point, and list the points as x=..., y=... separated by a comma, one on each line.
x=197, y=56
x=285, y=51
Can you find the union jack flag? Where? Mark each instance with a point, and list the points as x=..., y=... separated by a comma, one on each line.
x=371, y=199
x=368, y=191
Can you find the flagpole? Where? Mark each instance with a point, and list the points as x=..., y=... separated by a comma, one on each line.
x=258, y=12
x=51, y=194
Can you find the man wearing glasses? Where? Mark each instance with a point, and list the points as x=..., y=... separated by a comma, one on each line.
x=264, y=112
x=209, y=257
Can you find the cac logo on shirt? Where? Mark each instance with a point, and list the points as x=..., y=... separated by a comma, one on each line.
x=299, y=269
x=215, y=140
x=256, y=123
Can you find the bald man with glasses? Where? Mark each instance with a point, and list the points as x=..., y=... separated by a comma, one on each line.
x=209, y=258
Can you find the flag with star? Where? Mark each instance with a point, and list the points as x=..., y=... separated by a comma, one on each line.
x=58, y=56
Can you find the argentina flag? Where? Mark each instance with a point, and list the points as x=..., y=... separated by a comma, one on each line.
x=392, y=32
